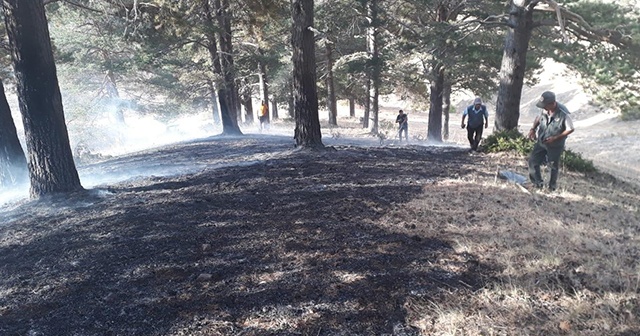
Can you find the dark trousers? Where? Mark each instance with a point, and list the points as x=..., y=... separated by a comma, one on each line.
x=474, y=134
x=264, y=122
x=404, y=128
x=537, y=157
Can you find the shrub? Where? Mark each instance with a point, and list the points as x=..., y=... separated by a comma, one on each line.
x=505, y=141
x=512, y=140
x=575, y=162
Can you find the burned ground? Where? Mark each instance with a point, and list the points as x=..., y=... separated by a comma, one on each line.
x=254, y=238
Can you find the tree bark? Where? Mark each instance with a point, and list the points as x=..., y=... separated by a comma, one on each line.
x=247, y=102
x=514, y=63
x=367, y=103
x=331, y=91
x=446, y=109
x=373, y=47
x=434, y=130
x=274, y=106
x=264, y=80
x=13, y=163
x=352, y=107
x=290, y=98
x=228, y=87
x=51, y=166
x=214, y=102
x=307, y=132
x=216, y=66
x=436, y=93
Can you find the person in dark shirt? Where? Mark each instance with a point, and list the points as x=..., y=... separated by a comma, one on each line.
x=403, y=125
x=478, y=116
x=550, y=129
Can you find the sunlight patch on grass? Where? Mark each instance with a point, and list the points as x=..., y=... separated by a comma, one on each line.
x=348, y=277
x=566, y=261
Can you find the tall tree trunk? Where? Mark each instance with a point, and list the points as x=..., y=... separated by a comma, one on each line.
x=436, y=93
x=51, y=166
x=352, y=107
x=290, y=98
x=434, y=130
x=230, y=124
x=307, y=132
x=214, y=102
x=331, y=92
x=446, y=108
x=264, y=81
x=274, y=106
x=367, y=104
x=514, y=63
x=373, y=48
x=247, y=102
x=216, y=67
x=13, y=164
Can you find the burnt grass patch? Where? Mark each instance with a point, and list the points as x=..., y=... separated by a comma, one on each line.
x=288, y=245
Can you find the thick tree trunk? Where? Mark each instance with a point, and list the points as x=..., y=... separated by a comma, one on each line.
x=514, y=63
x=446, y=108
x=373, y=48
x=214, y=102
x=13, y=164
x=352, y=107
x=223, y=66
x=216, y=67
x=230, y=101
x=331, y=92
x=307, y=132
x=274, y=106
x=247, y=102
x=229, y=122
x=51, y=166
x=436, y=93
x=434, y=130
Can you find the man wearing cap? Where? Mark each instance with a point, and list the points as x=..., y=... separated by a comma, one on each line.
x=553, y=126
x=402, y=121
x=478, y=116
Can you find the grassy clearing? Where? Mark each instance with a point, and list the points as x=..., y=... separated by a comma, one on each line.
x=564, y=263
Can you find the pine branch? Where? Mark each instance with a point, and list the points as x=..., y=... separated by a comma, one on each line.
x=581, y=27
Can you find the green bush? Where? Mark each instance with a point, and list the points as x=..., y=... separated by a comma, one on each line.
x=575, y=162
x=513, y=140
x=505, y=141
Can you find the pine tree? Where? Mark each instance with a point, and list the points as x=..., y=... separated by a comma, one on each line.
x=51, y=166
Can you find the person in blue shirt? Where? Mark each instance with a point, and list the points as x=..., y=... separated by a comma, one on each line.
x=478, y=118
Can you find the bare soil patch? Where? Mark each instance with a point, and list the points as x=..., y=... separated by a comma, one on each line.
x=259, y=239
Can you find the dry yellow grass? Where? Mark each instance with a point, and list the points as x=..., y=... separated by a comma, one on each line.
x=564, y=262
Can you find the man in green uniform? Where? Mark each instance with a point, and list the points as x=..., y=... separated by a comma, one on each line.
x=553, y=126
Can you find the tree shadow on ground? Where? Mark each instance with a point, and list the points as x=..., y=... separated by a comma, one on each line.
x=284, y=246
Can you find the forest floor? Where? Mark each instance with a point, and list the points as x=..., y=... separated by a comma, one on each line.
x=246, y=236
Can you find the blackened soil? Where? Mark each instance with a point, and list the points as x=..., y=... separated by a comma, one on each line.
x=256, y=239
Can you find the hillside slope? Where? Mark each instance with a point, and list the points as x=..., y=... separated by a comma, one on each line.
x=404, y=240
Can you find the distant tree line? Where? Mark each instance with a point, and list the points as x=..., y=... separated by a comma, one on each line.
x=297, y=54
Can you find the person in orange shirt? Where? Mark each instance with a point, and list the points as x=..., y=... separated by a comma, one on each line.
x=263, y=115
